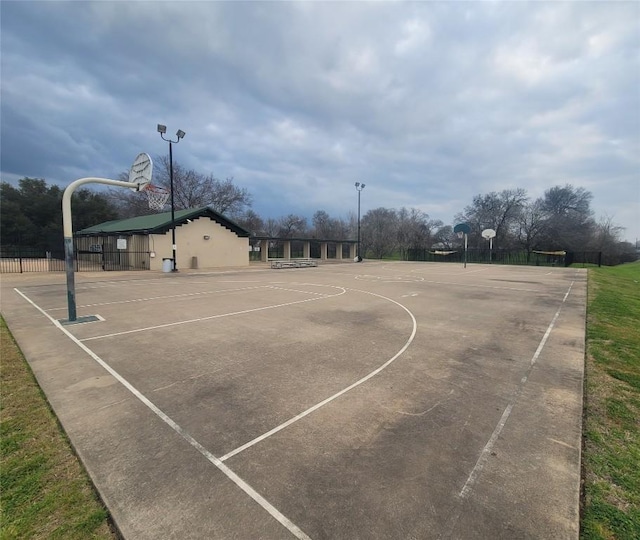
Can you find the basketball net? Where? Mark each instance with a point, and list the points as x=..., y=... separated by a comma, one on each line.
x=157, y=196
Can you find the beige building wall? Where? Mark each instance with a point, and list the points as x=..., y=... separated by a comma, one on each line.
x=222, y=248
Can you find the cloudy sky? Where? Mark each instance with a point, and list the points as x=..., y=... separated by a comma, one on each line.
x=427, y=103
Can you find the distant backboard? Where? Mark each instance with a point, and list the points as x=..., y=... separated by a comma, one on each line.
x=463, y=228
x=488, y=234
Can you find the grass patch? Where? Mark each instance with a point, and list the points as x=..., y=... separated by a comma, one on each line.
x=611, y=434
x=44, y=490
x=583, y=265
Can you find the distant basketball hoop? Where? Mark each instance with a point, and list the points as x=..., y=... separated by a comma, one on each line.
x=489, y=234
x=463, y=230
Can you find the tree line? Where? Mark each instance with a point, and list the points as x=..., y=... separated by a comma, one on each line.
x=31, y=214
x=562, y=219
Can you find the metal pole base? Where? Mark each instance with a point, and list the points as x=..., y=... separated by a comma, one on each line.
x=80, y=320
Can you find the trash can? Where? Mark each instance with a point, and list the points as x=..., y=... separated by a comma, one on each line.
x=167, y=265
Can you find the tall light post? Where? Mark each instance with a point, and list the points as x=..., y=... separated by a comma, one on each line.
x=359, y=188
x=180, y=134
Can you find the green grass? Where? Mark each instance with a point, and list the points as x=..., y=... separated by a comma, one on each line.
x=583, y=265
x=44, y=491
x=611, y=457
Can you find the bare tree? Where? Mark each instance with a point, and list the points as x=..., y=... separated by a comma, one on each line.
x=292, y=226
x=443, y=236
x=321, y=224
x=191, y=189
x=271, y=227
x=379, y=232
x=569, y=219
x=606, y=236
x=351, y=225
x=414, y=230
x=497, y=211
x=607, y=239
x=251, y=222
x=532, y=223
x=328, y=228
x=342, y=229
x=563, y=200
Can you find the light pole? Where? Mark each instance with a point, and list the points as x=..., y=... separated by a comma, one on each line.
x=180, y=134
x=359, y=188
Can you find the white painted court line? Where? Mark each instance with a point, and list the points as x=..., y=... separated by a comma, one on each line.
x=388, y=279
x=90, y=285
x=338, y=394
x=164, y=297
x=244, y=486
x=211, y=317
x=297, y=290
x=461, y=272
x=486, y=451
x=240, y=281
x=452, y=283
x=495, y=287
x=179, y=281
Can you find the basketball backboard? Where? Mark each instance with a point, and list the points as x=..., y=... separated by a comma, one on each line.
x=140, y=172
x=463, y=228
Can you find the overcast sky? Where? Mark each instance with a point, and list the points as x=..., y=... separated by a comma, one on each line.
x=427, y=103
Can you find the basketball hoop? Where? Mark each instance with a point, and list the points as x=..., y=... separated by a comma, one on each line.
x=157, y=196
x=463, y=230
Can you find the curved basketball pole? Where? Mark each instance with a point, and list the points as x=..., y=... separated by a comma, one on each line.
x=68, y=234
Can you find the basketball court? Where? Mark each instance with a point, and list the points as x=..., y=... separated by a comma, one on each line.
x=345, y=401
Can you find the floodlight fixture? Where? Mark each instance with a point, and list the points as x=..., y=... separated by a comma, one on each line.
x=180, y=134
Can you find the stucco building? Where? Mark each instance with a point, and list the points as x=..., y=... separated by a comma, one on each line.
x=204, y=239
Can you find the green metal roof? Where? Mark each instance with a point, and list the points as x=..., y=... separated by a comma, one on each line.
x=159, y=223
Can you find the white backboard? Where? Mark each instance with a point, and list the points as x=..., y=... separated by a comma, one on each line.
x=141, y=171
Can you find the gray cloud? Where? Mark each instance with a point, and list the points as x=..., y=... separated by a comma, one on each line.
x=429, y=104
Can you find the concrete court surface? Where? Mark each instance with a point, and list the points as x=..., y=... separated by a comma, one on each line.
x=348, y=401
